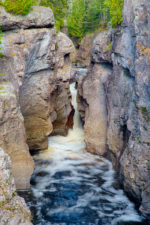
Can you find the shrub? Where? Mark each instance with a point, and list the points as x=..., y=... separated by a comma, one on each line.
x=1, y=3
x=59, y=8
x=18, y=7
x=115, y=9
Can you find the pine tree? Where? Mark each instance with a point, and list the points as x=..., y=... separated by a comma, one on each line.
x=76, y=19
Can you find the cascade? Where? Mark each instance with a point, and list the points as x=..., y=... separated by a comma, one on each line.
x=71, y=186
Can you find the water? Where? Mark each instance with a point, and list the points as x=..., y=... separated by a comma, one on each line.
x=71, y=186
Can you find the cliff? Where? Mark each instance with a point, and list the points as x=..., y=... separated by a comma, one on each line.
x=114, y=100
x=34, y=86
x=13, y=209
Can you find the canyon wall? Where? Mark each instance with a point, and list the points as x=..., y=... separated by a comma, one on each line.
x=13, y=209
x=114, y=100
x=34, y=86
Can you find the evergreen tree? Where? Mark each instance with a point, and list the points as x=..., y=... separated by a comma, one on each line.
x=115, y=9
x=76, y=19
x=60, y=8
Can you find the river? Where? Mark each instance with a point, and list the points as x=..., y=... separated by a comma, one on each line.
x=71, y=186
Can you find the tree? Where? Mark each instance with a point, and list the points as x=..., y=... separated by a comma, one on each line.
x=96, y=15
x=115, y=9
x=75, y=20
x=60, y=9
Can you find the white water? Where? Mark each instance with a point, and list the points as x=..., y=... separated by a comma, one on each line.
x=78, y=187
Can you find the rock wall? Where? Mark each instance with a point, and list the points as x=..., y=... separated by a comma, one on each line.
x=13, y=209
x=121, y=60
x=35, y=69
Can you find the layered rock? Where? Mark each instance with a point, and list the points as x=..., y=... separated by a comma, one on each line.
x=127, y=98
x=13, y=209
x=35, y=71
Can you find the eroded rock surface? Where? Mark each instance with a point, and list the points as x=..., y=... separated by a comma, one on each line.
x=13, y=209
x=34, y=86
x=127, y=98
x=38, y=17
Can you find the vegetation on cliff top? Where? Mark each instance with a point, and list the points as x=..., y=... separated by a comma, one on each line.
x=83, y=16
x=60, y=9
x=18, y=7
x=89, y=15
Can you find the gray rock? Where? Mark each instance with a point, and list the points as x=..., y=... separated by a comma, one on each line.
x=13, y=209
x=13, y=137
x=102, y=46
x=38, y=17
x=127, y=98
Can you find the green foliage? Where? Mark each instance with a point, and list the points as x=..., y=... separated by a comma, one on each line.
x=109, y=47
x=19, y=7
x=96, y=15
x=87, y=16
x=76, y=19
x=60, y=9
x=115, y=9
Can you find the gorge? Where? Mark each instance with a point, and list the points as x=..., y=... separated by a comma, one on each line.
x=76, y=167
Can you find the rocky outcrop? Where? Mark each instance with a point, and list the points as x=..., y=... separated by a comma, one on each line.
x=84, y=51
x=12, y=135
x=44, y=95
x=38, y=17
x=127, y=98
x=13, y=209
x=92, y=98
x=35, y=71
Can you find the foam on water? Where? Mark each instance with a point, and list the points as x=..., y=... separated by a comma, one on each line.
x=72, y=186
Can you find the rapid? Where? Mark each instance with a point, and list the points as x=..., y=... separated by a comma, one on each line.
x=71, y=186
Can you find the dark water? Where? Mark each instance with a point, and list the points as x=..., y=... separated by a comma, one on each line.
x=70, y=186
x=78, y=192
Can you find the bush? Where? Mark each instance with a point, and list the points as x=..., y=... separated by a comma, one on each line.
x=59, y=8
x=18, y=7
x=115, y=9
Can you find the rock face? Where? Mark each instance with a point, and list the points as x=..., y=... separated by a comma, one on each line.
x=84, y=51
x=32, y=86
x=13, y=209
x=12, y=135
x=126, y=93
x=92, y=98
x=38, y=17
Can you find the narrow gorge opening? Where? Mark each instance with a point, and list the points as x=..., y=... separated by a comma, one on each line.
x=72, y=186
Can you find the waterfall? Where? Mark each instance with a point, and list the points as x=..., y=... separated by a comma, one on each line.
x=71, y=186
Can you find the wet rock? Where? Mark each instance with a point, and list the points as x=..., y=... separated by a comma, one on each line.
x=62, y=107
x=13, y=209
